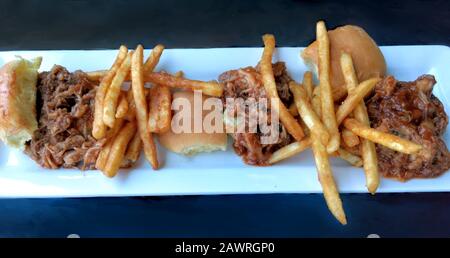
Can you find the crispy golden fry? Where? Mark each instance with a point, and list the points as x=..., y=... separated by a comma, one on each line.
x=368, y=151
x=131, y=114
x=112, y=96
x=211, y=88
x=290, y=150
x=370, y=161
x=99, y=128
x=103, y=155
x=349, y=138
x=133, y=151
x=118, y=149
x=304, y=127
x=137, y=86
x=307, y=113
x=96, y=76
x=308, y=84
x=351, y=80
x=289, y=122
x=350, y=158
x=110, y=135
x=293, y=110
x=315, y=101
x=389, y=140
x=122, y=107
x=354, y=98
x=326, y=179
x=115, y=129
x=160, y=112
x=326, y=95
x=153, y=59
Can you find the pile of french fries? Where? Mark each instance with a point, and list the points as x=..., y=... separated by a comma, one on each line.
x=316, y=108
x=128, y=118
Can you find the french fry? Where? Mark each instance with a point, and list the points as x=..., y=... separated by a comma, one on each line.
x=308, y=84
x=96, y=76
x=368, y=151
x=99, y=128
x=370, y=162
x=289, y=122
x=388, y=140
x=293, y=110
x=350, y=158
x=115, y=129
x=326, y=95
x=304, y=127
x=112, y=96
x=118, y=149
x=315, y=101
x=326, y=179
x=131, y=114
x=110, y=135
x=160, y=113
x=290, y=150
x=153, y=59
x=348, y=72
x=137, y=86
x=307, y=113
x=122, y=107
x=133, y=151
x=211, y=88
x=354, y=98
x=349, y=138
x=103, y=155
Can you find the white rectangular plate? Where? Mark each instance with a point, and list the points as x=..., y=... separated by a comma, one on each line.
x=220, y=172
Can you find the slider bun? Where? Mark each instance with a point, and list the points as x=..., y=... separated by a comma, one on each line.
x=192, y=143
x=367, y=58
x=18, y=80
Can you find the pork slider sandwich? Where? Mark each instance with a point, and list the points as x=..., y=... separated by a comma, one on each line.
x=18, y=101
x=182, y=138
x=367, y=58
x=48, y=115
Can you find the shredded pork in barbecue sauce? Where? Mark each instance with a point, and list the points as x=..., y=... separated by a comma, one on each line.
x=66, y=105
x=246, y=83
x=411, y=111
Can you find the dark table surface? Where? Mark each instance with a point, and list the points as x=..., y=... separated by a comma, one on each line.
x=80, y=24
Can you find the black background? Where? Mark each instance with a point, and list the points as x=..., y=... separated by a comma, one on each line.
x=74, y=24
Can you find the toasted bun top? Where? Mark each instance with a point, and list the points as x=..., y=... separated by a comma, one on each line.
x=367, y=57
x=18, y=80
x=190, y=143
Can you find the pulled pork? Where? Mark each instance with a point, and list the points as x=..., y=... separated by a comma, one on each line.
x=411, y=111
x=66, y=105
x=246, y=83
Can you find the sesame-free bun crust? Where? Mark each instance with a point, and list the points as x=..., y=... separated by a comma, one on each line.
x=367, y=57
x=18, y=80
x=192, y=143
